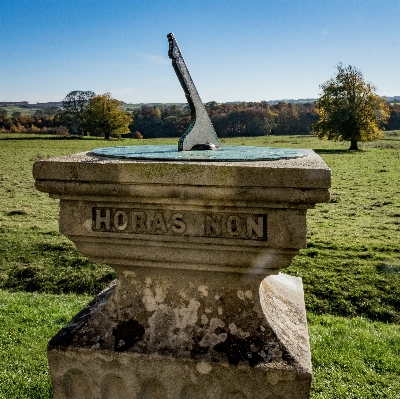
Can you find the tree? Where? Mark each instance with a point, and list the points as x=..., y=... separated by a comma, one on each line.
x=103, y=115
x=148, y=121
x=74, y=108
x=394, y=119
x=3, y=113
x=286, y=118
x=16, y=116
x=349, y=109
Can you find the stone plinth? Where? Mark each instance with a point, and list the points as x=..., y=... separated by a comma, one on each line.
x=199, y=309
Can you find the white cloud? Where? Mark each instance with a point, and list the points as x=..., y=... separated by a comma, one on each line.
x=156, y=59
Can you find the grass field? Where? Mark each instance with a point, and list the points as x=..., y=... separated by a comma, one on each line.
x=350, y=270
x=24, y=111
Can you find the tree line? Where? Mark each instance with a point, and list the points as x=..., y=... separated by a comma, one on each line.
x=42, y=121
x=228, y=119
x=82, y=111
x=85, y=113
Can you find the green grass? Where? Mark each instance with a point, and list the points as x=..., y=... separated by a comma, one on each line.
x=351, y=358
x=354, y=358
x=24, y=111
x=28, y=321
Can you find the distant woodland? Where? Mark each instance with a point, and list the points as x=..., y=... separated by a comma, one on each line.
x=166, y=120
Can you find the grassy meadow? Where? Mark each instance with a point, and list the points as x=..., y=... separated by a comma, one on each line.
x=350, y=270
x=24, y=111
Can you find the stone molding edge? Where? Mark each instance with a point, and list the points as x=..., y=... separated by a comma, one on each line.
x=266, y=261
x=202, y=243
x=310, y=172
x=189, y=204
x=159, y=192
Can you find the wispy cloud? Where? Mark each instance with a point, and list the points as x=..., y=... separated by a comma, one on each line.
x=156, y=59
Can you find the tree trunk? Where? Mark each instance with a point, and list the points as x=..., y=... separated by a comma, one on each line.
x=353, y=145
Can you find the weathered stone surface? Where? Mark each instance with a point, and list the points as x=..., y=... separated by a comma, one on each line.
x=190, y=244
x=188, y=341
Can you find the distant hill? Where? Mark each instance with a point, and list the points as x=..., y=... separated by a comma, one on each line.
x=25, y=105
x=290, y=100
x=132, y=106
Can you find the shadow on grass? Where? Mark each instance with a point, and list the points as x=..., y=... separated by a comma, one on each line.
x=335, y=151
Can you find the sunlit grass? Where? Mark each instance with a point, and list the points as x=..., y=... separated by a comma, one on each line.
x=354, y=358
x=28, y=321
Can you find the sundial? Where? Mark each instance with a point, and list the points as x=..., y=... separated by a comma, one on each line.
x=200, y=141
x=197, y=234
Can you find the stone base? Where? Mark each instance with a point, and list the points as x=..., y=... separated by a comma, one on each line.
x=83, y=365
x=85, y=374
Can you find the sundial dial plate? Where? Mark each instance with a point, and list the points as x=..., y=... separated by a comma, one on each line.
x=222, y=154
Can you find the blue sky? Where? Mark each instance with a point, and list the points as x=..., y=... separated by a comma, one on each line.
x=235, y=50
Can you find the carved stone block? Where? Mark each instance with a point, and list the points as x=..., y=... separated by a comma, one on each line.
x=199, y=308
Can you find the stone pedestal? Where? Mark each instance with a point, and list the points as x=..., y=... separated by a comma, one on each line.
x=199, y=308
